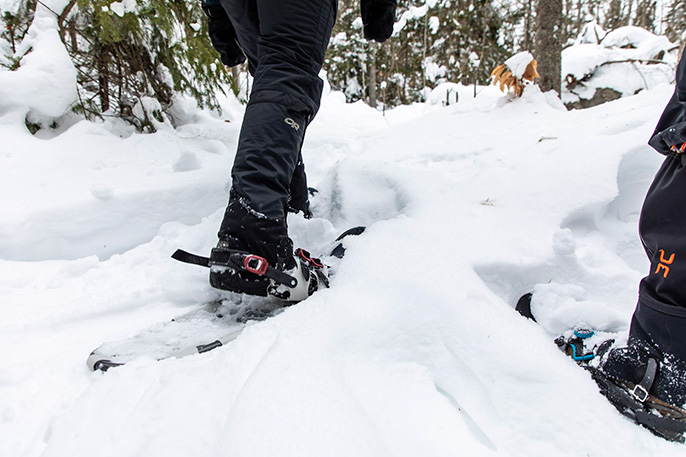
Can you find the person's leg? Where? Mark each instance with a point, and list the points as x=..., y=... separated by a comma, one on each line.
x=285, y=42
x=658, y=326
x=286, y=55
x=663, y=233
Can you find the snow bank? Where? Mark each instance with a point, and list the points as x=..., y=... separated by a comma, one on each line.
x=46, y=80
x=626, y=61
x=518, y=63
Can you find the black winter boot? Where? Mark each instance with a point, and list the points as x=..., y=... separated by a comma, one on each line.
x=251, y=233
x=632, y=366
x=255, y=256
x=646, y=387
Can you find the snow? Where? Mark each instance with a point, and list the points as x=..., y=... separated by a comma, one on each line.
x=445, y=94
x=123, y=7
x=416, y=350
x=591, y=33
x=46, y=80
x=434, y=24
x=647, y=43
x=627, y=60
x=518, y=63
x=432, y=70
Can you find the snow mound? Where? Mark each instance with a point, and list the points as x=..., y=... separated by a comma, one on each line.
x=518, y=63
x=603, y=66
x=46, y=80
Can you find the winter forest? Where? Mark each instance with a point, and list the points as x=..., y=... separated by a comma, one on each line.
x=132, y=56
x=119, y=127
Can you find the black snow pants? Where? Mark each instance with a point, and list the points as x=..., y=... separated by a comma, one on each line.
x=285, y=42
x=660, y=316
x=658, y=326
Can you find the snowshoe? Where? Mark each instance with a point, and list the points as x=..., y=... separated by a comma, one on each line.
x=218, y=323
x=202, y=329
x=634, y=400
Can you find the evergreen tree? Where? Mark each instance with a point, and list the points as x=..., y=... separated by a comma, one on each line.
x=480, y=27
x=435, y=41
x=132, y=57
x=13, y=27
x=575, y=15
x=348, y=54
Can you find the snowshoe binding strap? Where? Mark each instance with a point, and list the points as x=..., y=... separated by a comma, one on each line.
x=318, y=268
x=187, y=257
x=640, y=391
x=660, y=418
x=238, y=261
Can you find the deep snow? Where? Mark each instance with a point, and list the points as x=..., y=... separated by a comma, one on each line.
x=415, y=351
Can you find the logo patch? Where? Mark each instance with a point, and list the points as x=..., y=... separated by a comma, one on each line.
x=294, y=125
x=663, y=265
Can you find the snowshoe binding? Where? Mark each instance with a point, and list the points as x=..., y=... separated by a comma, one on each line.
x=310, y=275
x=242, y=272
x=645, y=386
x=637, y=403
x=295, y=276
x=639, y=399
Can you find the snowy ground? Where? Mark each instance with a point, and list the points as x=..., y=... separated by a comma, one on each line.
x=415, y=351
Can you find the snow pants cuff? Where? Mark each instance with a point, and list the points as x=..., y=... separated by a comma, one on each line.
x=659, y=325
x=268, y=154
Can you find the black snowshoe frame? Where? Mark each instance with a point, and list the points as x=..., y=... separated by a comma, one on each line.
x=634, y=402
x=631, y=400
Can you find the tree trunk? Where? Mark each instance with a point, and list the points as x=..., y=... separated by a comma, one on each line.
x=103, y=77
x=527, y=25
x=372, y=79
x=424, y=46
x=548, y=45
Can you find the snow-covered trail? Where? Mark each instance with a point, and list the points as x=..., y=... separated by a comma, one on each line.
x=416, y=350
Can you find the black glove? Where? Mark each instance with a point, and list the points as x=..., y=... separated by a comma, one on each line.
x=378, y=17
x=223, y=35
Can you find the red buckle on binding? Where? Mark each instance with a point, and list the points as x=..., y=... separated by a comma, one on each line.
x=255, y=264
